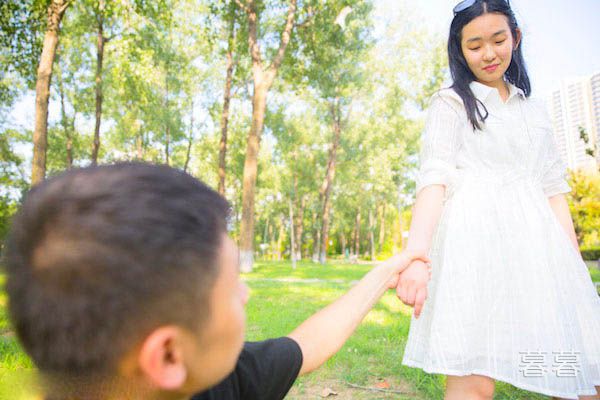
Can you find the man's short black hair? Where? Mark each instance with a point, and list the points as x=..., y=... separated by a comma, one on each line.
x=98, y=257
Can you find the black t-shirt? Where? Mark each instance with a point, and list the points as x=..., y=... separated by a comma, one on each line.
x=265, y=371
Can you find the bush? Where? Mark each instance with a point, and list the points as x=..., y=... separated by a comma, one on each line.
x=591, y=254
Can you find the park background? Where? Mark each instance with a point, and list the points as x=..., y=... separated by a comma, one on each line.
x=313, y=137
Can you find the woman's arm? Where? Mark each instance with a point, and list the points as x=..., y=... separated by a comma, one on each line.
x=560, y=207
x=323, y=334
x=440, y=143
x=425, y=216
x=412, y=286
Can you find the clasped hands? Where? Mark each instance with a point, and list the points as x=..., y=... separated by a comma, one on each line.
x=411, y=282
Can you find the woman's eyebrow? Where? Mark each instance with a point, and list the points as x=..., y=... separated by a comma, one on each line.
x=479, y=37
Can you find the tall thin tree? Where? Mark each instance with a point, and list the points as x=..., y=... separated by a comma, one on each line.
x=56, y=10
x=263, y=78
x=227, y=96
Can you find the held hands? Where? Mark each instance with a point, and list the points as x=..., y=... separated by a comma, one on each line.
x=412, y=285
x=411, y=273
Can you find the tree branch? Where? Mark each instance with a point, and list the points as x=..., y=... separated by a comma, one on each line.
x=308, y=20
x=64, y=6
x=253, y=35
x=285, y=35
x=243, y=6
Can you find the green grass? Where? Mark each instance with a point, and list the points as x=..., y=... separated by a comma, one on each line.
x=281, y=298
x=373, y=353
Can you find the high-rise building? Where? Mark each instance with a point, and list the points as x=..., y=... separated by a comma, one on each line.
x=575, y=113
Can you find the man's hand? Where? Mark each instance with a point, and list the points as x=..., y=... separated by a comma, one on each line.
x=401, y=262
x=324, y=333
x=412, y=285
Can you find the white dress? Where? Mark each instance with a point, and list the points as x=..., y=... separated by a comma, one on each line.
x=509, y=298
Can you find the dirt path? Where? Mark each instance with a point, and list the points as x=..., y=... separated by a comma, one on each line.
x=318, y=388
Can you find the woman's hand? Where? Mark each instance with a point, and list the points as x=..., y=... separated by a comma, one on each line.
x=412, y=285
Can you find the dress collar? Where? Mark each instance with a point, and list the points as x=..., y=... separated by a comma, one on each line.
x=482, y=92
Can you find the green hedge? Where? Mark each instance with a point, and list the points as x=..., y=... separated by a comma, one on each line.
x=591, y=254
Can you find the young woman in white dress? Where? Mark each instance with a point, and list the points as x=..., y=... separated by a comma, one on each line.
x=510, y=297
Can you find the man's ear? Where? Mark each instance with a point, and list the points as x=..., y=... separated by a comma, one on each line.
x=161, y=358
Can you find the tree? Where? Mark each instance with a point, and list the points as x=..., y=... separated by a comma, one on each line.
x=263, y=78
x=584, y=203
x=332, y=47
x=231, y=62
x=12, y=180
x=102, y=13
x=56, y=10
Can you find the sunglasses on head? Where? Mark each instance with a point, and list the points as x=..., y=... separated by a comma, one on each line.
x=463, y=5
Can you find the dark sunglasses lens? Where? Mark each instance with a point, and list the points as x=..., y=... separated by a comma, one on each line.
x=463, y=5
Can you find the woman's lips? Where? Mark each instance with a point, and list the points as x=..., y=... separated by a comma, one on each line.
x=491, y=68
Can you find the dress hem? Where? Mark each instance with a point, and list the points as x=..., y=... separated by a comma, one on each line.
x=531, y=388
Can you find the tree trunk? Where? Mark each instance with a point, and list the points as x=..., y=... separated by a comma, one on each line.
x=263, y=80
x=292, y=238
x=400, y=242
x=64, y=119
x=357, y=236
x=299, y=227
x=316, y=233
x=167, y=119
x=329, y=176
x=56, y=10
x=101, y=40
x=190, y=139
x=343, y=242
x=316, y=236
x=280, y=237
x=372, y=234
x=249, y=182
x=381, y=226
x=226, y=102
x=140, y=144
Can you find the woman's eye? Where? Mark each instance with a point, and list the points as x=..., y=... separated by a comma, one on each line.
x=501, y=41
x=475, y=48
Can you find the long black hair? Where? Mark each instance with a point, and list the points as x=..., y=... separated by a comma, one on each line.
x=459, y=69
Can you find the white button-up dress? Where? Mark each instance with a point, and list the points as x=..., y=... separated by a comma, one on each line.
x=510, y=298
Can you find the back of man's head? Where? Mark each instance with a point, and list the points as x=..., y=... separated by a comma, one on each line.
x=99, y=257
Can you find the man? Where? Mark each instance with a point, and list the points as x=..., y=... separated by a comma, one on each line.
x=123, y=284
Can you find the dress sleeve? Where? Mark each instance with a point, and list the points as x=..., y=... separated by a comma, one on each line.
x=554, y=170
x=440, y=142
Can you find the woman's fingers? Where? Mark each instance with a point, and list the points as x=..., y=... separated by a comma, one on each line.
x=401, y=291
x=420, y=301
x=411, y=293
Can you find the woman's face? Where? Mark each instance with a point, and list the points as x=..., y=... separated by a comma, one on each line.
x=487, y=45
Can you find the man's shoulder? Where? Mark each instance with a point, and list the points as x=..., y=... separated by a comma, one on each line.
x=265, y=369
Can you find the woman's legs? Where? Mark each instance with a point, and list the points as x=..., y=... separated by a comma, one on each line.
x=471, y=387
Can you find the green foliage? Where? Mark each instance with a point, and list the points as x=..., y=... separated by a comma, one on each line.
x=22, y=24
x=591, y=254
x=584, y=204
x=12, y=180
x=163, y=78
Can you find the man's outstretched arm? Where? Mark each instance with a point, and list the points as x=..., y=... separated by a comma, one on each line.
x=324, y=333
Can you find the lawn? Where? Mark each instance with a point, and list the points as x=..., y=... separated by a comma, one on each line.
x=281, y=298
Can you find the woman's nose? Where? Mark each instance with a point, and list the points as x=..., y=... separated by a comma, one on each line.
x=489, y=53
